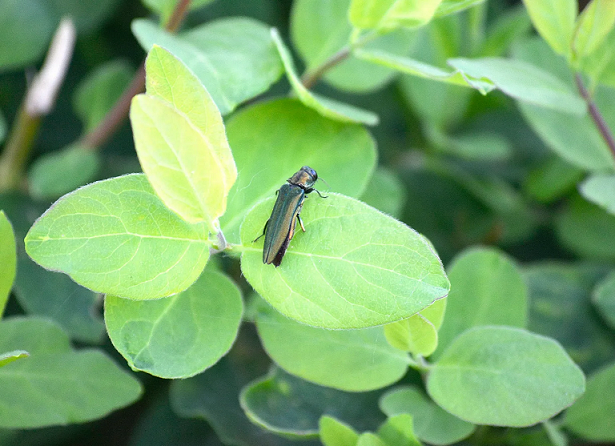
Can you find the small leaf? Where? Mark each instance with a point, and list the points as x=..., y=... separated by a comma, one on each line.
x=524, y=82
x=289, y=406
x=416, y=68
x=432, y=424
x=600, y=190
x=56, y=385
x=486, y=288
x=354, y=267
x=8, y=260
x=232, y=57
x=386, y=15
x=416, y=335
x=552, y=179
x=335, y=433
x=7, y=358
x=453, y=6
x=370, y=439
x=504, y=376
x=592, y=26
x=178, y=336
x=351, y=360
x=554, y=20
x=58, y=173
x=327, y=107
x=398, y=430
x=591, y=417
x=99, y=91
x=385, y=192
x=603, y=298
x=117, y=237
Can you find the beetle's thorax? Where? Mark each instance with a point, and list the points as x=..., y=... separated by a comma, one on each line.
x=304, y=178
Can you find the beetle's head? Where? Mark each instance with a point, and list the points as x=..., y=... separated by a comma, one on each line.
x=304, y=178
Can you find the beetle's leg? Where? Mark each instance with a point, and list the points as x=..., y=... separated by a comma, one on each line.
x=301, y=223
x=264, y=230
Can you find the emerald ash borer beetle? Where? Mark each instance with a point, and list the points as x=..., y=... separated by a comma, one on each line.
x=280, y=228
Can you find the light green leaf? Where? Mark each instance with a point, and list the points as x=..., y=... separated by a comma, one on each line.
x=99, y=91
x=117, y=237
x=592, y=26
x=432, y=424
x=504, y=376
x=524, y=82
x=320, y=29
x=57, y=173
x=8, y=260
x=506, y=28
x=603, y=298
x=416, y=68
x=370, y=439
x=181, y=335
x=7, y=358
x=385, y=192
x=343, y=154
x=181, y=144
x=552, y=179
x=292, y=407
x=447, y=7
x=335, y=433
x=56, y=385
x=600, y=65
x=327, y=107
x=398, y=430
x=416, y=335
x=351, y=360
x=354, y=267
x=554, y=20
x=25, y=29
x=486, y=288
x=232, y=57
x=476, y=146
x=600, y=190
x=165, y=7
x=386, y=15
x=591, y=417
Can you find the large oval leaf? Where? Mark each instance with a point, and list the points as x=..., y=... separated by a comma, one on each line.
x=117, y=237
x=8, y=259
x=354, y=267
x=504, y=376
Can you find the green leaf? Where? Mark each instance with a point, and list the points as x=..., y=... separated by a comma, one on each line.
x=25, y=29
x=592, y=26
x=370, y=439
x=188, y=164
x=507, y=27
x=398, y=430
x=335, y=433
x=591, y=417
x=354, y=267
x=165, y=7
x=3, y=127
x=486, y=288
x=327, y=107
x=504, y=376
x=342, y=154
x=320, y=29
x=181, y=335
x=552, y=179
x=477, y=146
x=99, y=91
x=232, y=57
x=603, y=298
x=56, y=385
x=351, y=360
x=420, y=69
x=7, y=358
x=8, y=260
x=586, y=229
x=523, y=81
x=386, y=15
x=385, y=192
x=432, y=424
x=554, y=20
x=56, y=296
x=600, y=65
x=214, y=396
x=289, y=406
x=117, y=237
x=57, y=173
x=600, y=190
x=447, y=7
x=416, y=335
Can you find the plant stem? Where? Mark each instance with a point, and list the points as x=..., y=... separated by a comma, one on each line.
x=597, y=117
x=116, y=116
